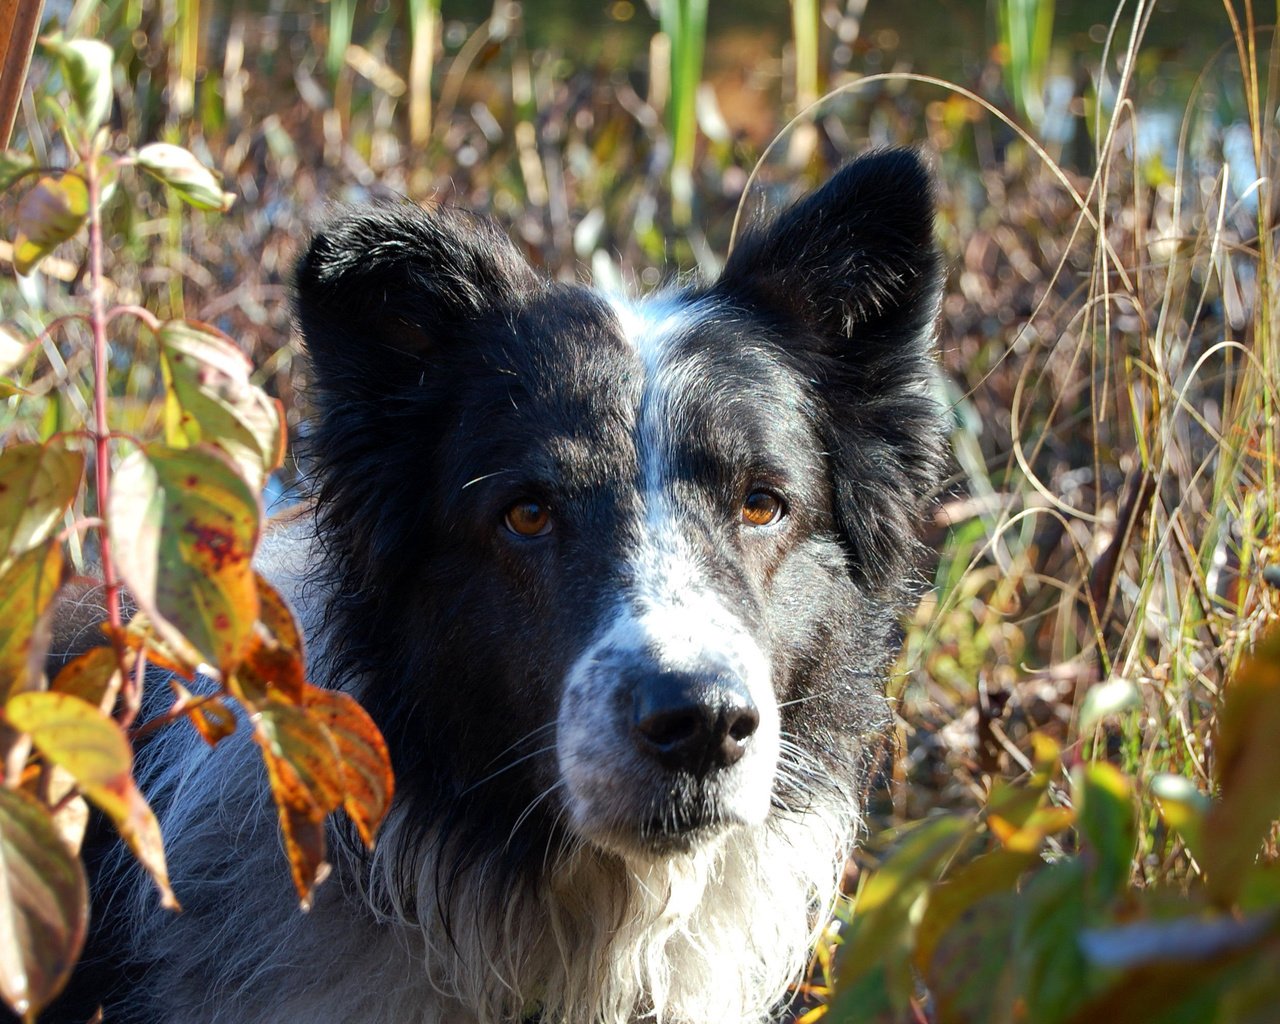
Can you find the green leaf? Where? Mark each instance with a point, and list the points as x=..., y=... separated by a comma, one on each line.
x=210, y=398
x=1050, y=966
x=13, y=165
x=182, y=172
x=86, y=63
x=38, y=483
x=184, y=525
x=889, y=902
x=1178, y=971
x=90, y=746
x=44, y=905
x=50, y=212
x=1104, y=802
x=27, y=590
x=971, y=971
x=990, y=874
x=865, y=1000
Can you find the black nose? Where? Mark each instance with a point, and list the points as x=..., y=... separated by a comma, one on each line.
x=693, y=722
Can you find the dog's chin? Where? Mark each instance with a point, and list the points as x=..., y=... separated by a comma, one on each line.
x=676, y=833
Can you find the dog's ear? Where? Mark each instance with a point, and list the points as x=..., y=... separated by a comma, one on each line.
x=850, y=280
x=380, y=287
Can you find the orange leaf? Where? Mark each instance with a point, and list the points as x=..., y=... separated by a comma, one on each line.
x=93, y=677
x=306, y=782
x=367, y=782
x=211, y=717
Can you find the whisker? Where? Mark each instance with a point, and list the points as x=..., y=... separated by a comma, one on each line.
x=507, y=767
x=529, y=808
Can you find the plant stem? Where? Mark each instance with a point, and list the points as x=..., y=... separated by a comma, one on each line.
x=102, y=432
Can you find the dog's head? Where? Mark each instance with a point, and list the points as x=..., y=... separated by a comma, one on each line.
x=625, y=570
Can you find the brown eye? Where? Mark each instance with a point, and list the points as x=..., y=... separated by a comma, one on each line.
x=529, y=519
x=762, y=508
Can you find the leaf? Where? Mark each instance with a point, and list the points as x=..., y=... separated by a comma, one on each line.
x=140, y=635
x=186, y=175
x=50, y=212
x=1029, y=837
x=364, y=763
x=1104, y=802
x=888, y=903
x=86, y=64
x=38, y=483
x=13, y=165
x=94, y=677
x=87, y=743
x=1108, y=698
x=274, y=666
x=1050, y=967
x=1178, y=971
x=965, y=887
x=209, y=398
x=27, y=590
x=971, y=974
x=321, y=748
x=44, y=905
x=1247, y=766
x=306, y=782
x=184, y=525
x=210, y=717
x=13, y=353
x=1183, y=808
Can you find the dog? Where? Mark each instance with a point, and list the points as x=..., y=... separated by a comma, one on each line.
x=619, y=582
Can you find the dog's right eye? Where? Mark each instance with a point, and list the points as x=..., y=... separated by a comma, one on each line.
x=528, y=519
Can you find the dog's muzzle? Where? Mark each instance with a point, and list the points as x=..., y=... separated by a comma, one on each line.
x=668, y=732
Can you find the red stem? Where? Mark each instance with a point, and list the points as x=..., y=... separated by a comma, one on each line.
x=102, y=432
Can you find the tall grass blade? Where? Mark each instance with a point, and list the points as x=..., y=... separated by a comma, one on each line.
x=684, y=22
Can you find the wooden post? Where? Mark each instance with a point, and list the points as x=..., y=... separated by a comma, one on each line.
x=19, y=23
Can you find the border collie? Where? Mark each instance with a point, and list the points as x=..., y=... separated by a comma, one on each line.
x=618, y=581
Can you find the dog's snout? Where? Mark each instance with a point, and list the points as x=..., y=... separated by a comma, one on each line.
x=693, y=722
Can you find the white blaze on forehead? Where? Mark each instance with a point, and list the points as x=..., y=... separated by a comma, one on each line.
x=672, y=608
x=669, y=617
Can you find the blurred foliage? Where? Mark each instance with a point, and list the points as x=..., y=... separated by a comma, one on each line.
x=1108, y=352
x=168, y=508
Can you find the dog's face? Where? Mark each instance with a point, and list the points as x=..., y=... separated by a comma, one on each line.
x=626, y=572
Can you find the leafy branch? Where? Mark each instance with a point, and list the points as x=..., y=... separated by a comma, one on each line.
x=176, y=520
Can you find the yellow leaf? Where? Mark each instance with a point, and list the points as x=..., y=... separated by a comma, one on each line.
x=44, y=905
x=88, y=744
x=27, y=590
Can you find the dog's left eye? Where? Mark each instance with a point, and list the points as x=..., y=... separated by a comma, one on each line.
x=762, y=508
x=528, y=519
